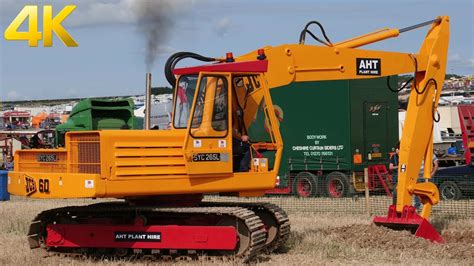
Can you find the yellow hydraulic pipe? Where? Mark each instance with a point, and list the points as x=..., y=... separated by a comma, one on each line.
x=382, y=34
x=428, y=162
x=368, y=38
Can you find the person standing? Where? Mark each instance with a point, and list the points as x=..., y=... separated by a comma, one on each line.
x=418, y=205
x=183, y=103
x=452, y=151
x=35, y=142
x=393, y=168
x=8, y=164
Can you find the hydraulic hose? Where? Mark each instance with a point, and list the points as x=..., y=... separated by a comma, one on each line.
x=175, y=58
x=306, y=31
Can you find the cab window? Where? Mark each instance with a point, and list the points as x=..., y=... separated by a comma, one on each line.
x=219, y=114
x=184, y=95
x=210, y=116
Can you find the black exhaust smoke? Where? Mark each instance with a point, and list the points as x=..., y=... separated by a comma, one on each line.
x=155, y=22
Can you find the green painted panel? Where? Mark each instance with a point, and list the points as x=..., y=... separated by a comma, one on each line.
x=315, y=125
x=323, y=123
x=374, y=119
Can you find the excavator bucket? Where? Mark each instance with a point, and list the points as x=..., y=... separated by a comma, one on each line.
x=409, y=220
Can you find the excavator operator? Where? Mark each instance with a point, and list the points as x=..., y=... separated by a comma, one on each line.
x=240, y=141
x=240, y=151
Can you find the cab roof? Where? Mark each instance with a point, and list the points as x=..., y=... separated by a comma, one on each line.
x=258, y=66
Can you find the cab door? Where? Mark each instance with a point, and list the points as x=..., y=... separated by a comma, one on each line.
x=208, y=142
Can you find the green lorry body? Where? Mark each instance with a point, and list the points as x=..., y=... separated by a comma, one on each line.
x=325, y=123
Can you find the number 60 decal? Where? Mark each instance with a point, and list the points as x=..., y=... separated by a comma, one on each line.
x=43, y=186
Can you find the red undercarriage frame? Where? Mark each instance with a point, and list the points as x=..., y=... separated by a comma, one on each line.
x=142, y=237
x=408, y=219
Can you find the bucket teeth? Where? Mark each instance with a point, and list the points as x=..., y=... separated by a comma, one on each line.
x=409, y=220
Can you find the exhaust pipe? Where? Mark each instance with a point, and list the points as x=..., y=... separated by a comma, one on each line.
x=147, y=101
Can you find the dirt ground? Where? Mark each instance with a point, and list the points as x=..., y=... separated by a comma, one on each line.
x=459, y=244
x=315, y=239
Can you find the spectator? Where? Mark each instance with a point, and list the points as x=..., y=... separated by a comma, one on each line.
x=35, y=142
x=25, y=143
x=393, y=168
x=4, y=156
x=452, y=151
x=418, y=205
x=183, y=104
x=8, y=164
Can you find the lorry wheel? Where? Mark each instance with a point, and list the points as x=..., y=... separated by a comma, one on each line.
x=449, y=191
x=304, y=185
x=337, y=185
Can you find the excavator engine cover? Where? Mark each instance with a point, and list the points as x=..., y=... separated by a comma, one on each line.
x=409, y=220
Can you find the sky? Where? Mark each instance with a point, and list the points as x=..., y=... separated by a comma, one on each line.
x=111, y=52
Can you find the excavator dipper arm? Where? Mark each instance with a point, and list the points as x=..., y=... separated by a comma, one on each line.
x=416, y=143
x=417, y=138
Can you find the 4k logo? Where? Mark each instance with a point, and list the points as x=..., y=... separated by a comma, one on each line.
x=368, y=66
x=50, y=24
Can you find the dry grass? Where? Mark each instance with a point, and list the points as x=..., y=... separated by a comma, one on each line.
x=355, y=205
x=316, y=239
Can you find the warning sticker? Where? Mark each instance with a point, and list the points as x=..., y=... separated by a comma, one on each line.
x=222, y=143
x=89, y=184
x=197, y=143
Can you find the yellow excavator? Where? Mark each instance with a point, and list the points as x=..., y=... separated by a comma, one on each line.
x=162, y=175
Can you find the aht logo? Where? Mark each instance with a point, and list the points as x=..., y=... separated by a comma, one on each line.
x=368, y=66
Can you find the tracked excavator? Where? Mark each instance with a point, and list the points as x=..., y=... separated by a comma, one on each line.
x=162, y=175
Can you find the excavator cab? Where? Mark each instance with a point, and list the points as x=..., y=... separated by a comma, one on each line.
x=208, y=138
x=216, y=109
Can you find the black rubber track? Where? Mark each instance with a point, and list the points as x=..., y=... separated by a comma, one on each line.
x=37, y=230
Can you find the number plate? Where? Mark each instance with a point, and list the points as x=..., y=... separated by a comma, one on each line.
x=206, y=157
x=47, y=158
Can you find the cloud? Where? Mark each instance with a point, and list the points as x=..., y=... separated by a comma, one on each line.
x=13, y=95
x=471, y=62
x=101, y=13
x=91, y=13
x=454, y=57
x=457, y=60
x=165, y=50
x=94, y=13
x=223, y=26
x=72, y=93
